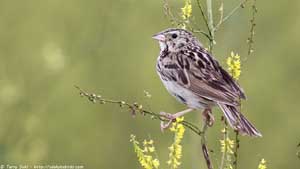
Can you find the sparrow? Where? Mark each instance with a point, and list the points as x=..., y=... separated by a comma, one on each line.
x=195, y=78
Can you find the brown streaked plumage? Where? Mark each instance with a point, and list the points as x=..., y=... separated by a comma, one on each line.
x=194, y=77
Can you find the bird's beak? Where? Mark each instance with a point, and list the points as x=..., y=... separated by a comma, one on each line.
x=159, y=37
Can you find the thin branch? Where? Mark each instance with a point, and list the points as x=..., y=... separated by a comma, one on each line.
x=240, y=5
x=210, y=23
x=168, y=13
x=204, y=145
x=225, y=135
x=221, y=10
x=250, y=40
x=135, y=108
x=203, y=16
x=230, y=14
x=237, y=146
x=210, y=27
x=201, y=32
x=193, y=28
x=210, y=15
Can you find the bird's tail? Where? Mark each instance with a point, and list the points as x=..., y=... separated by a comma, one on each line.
x=239, y=121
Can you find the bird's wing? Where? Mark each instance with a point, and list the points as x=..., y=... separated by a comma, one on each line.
x=199, y=72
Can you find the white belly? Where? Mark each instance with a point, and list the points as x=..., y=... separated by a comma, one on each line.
x=179, y=92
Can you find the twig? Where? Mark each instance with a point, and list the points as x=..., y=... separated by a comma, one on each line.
x=204, y=146
x=250, y=40
x=168, y=13
x=203, y=16
x=221, y=10
x=210, y=23
x=230, y=14
x=237, y=146
x=210, y=15
x=210, y=36
x=225, y=135
x=135, y=108
x=201, y=32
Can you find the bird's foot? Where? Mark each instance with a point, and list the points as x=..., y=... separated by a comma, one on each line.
x=208, y=117
x=169, y=118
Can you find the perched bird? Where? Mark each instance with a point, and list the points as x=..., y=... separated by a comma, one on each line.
x=194, y=77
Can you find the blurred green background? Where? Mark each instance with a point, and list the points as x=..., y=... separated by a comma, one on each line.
x=47, y=46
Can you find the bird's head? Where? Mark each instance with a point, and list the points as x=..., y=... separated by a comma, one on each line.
x=174, y=39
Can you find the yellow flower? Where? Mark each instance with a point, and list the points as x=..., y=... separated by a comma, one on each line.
x=179, y=119
x=262, y=164
x=176, y=148
x=186, y=13
x=187, y=10
x=227, y=145
x=145, y=142
x=151, y=149
x=150, y=142
x=144, y=154
x=156, y=163
x=234, y=65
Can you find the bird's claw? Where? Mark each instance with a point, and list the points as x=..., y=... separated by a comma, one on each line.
x=169, y=118
x=209, y=117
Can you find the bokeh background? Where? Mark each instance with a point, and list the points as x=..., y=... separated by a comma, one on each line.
x=48, y=46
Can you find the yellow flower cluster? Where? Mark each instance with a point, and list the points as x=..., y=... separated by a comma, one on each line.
x=234, y=65
x=187, y=9
x=227, y=146
x=186, y=12
x=262, y=164
x=145, y=154
x=176, y=148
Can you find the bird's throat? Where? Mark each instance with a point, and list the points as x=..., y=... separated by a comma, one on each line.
x=162, y=46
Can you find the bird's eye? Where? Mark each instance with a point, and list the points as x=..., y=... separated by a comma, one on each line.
x=174, y=35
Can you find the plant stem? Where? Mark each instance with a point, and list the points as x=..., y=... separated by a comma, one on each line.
x=210, y=23
x=210, y=31
x=135, y=108
x=225, y=135
x=221, y=10
x=230, y=14
x=250, y=40
x=210, y=15
x=234, y=10
x=210, y=27
x=204, y=146
x=237, y=146
x=203, y=15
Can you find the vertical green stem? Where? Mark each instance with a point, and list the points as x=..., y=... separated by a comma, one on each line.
x=211, y=42
x=210, y=23
x=225, y=135
x=237, y=146
x=204, y=146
